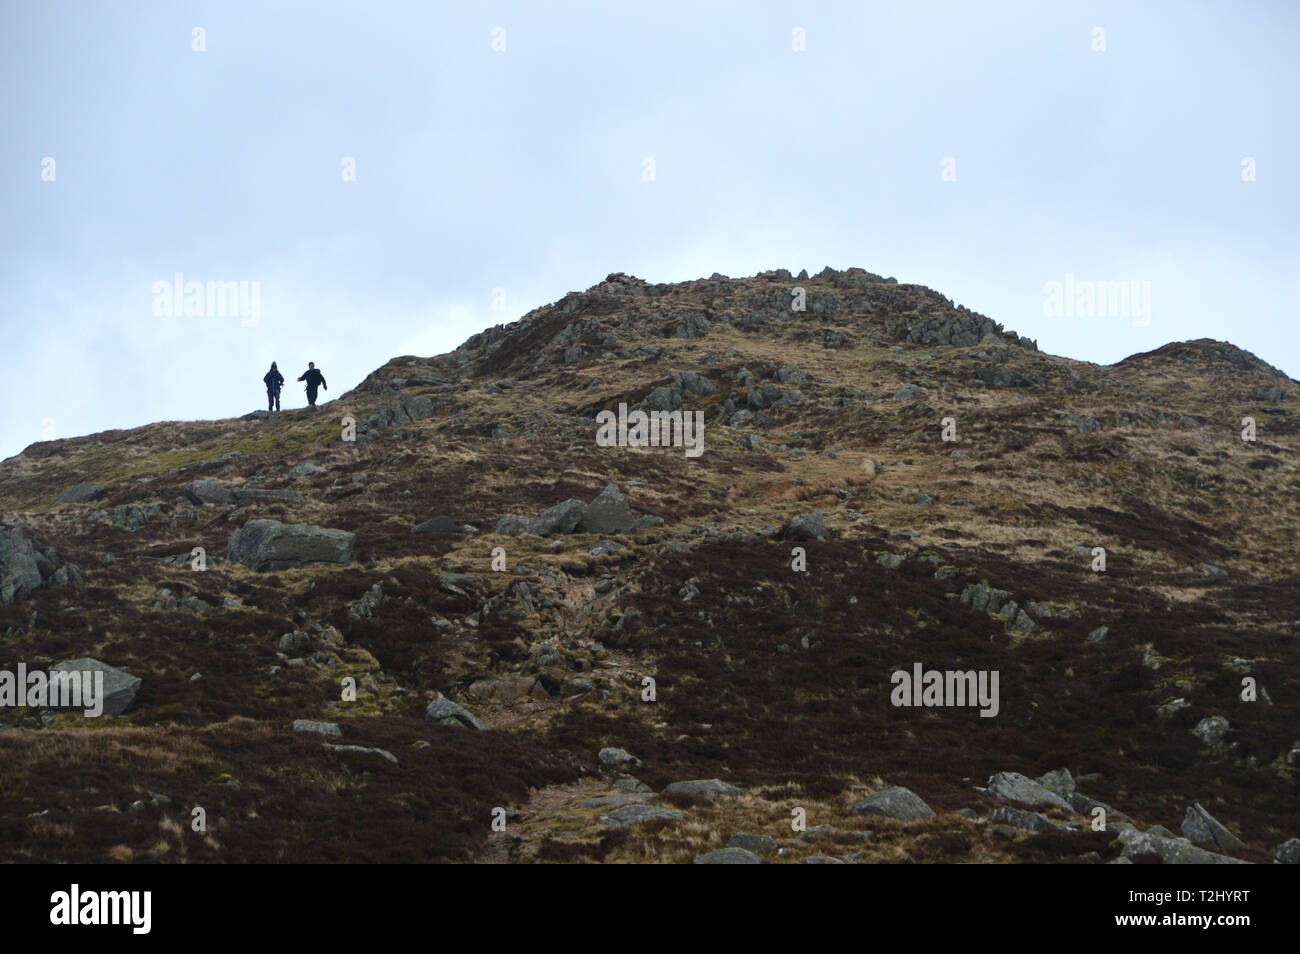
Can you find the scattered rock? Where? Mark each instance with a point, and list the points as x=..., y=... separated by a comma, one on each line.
x=1014, y=787
x=271, y=545
x=608, y=512
x=758, y=844
x=1202, y=828
x=1211, y=730
x=1030, y=821
x=445, y=712
x=436, y=525
x=318, y=728
x=207, y=492
x=728, y=856
x=82, y=493
x=704, y=786
x=119, y=689
x=894, y=802
x=612, y=756
x=809, y=526
x=629, y=815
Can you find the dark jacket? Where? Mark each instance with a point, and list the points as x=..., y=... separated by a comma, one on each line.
x=273, y=380
x=313, y=377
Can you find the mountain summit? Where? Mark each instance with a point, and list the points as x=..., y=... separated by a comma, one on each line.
x=934, y=592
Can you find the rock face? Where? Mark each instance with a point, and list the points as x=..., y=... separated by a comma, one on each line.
x=445, y=712
x=1202, y=828
x=20, y=575
x=271, y=545
x=119, y=687
x=895, y=802
x=82, y=493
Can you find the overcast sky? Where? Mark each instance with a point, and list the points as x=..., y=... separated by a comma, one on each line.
x=525, y=169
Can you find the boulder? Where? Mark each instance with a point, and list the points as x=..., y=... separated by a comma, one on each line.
x=808, y=526
x=305, y=469
x=207, y=492
x=363, y=758
x=1202, y=828
x=628, y=815
x=1211, y=730
x=758, y=844
x=894, y=802
x=1059, y=781
x=119, y=689
x=272, y=545
x=82, y=493
x=1172, y=851
x=445, y=712
x=436, y=525
x=1288, y=853
x=1014, y=787
x=562, y=518
x=20, y=575
x=608, y=512
x=318, y=728
x=610, y=755
x=703, y=786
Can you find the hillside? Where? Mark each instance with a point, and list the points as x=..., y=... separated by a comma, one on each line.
x=825, y=431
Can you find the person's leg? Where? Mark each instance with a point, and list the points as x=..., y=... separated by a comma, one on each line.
x=270, y=401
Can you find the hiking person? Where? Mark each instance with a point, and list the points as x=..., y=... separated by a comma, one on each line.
x=314, y=380
x=273, y=380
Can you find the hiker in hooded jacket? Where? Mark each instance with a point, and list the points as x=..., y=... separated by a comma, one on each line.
x=314, y=380
x=273, y=380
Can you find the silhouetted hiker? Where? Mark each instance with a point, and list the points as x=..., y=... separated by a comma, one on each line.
x=274, y=380
x=314, y=380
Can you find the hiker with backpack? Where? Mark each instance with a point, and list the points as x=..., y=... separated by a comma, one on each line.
x=273, y=380
x=314, y=380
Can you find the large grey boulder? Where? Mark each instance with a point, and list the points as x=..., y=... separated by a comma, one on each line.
x=1171, y=851
x=1014, y=787
x=894, y=802
x=1059, y=781
x=1201, y=827
x=119, y=687
x=20, y=575
x=272, y=545
x=445, y=712
x=758, y=844
x=513, y=526
x=628, y=815
x=82, y=493
x=1288, y=853
x=608, y=512
x=207, y=492
x=562, y=518
x=728, y=856
x=808, y=526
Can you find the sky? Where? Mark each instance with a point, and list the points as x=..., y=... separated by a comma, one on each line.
x=390, y=178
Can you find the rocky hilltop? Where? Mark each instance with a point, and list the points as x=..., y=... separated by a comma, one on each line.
x=437, y=620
